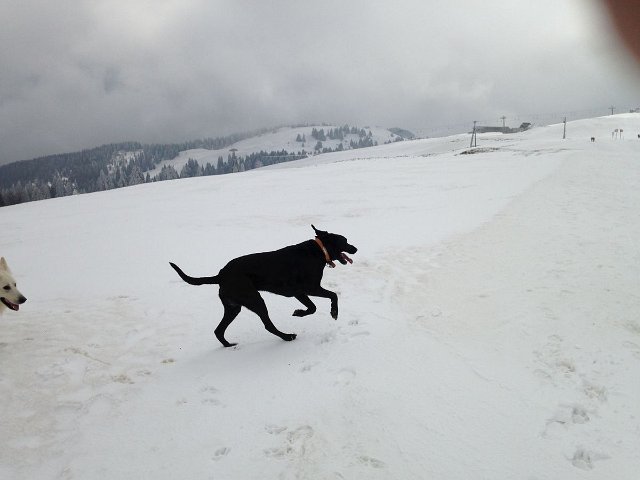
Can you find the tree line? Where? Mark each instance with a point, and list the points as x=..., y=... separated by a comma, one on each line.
x=124, y=164
x=131, y=168
x=94, y=169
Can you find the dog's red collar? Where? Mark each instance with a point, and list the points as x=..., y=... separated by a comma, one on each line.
x=327, y=258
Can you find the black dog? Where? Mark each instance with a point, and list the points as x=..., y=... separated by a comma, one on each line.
x=293, y=271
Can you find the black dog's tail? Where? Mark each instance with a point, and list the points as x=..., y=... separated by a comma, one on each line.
x=195, y=280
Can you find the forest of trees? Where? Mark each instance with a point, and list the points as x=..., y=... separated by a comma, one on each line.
x=129, y=163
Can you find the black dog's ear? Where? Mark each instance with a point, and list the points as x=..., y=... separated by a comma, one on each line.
x=319, y=232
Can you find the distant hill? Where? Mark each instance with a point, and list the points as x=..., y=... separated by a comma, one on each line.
x=130, y=163
x=401, y=132
x=287, y=142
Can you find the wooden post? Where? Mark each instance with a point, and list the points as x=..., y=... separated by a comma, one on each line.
x=473, y=135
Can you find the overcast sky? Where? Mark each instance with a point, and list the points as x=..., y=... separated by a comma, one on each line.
x=81, y=73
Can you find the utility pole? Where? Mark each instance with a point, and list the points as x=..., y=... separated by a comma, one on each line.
x=503, y=119
x=564, y=133
x=612, y=109
x=473, y=135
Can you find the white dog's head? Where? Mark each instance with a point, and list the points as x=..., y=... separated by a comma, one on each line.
x=10, y=296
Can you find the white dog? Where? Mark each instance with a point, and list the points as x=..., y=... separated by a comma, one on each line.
x=10, y=297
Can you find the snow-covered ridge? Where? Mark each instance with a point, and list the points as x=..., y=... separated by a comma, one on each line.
x=284, y=138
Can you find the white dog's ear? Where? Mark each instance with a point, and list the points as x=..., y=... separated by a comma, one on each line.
x=3, y=265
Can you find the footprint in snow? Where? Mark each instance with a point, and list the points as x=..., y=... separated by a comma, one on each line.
x=122, y=378
x=295, y=444
x=274, y=429
x=208, y=389
x=566, y=366
x=210, y=398
x=220, y=453
x=274, y=452
x=579, y=415
x=307, y=367
x=300, y=434
x=345, y=376
x=371, y=462
x=326, y=338
x=583, y=458
x=594, y=391
x=570, y=415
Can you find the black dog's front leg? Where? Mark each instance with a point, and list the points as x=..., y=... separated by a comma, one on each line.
x=306, y=301
x=324, y=293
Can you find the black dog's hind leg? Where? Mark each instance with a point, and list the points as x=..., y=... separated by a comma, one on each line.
x=254, y=302
x=231, y=311
x=306, y=301
x=323, y=293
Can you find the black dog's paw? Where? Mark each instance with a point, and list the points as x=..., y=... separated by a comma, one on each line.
x=287, y=337
x=334, y=313
x=299, y=313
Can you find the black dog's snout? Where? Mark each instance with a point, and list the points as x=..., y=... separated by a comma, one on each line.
x=352, y=249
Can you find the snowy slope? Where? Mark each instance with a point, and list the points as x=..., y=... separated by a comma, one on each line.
x=488, y=327
x=283, y=138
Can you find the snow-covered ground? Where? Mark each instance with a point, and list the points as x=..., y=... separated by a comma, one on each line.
x=279, y=139
x=488, y=328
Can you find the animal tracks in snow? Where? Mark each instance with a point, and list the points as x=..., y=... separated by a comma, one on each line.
x=207, y=395
x=344, y=333
x=294, y=443
x=307, y=366
x=594, y=391
x=371, y=462
x=570, y=415
x=274, y=429
x=210, y=396
x=561, y=370
x=220, y=453
x=583, y=458
x=299, y=443
x=122, y=378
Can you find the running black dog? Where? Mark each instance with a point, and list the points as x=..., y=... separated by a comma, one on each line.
x=293, y=271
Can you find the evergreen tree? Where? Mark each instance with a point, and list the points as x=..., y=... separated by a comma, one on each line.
x=105, y=181
x=136, y=176
x=57, y=186
x=121, y=179
x=209, y=169
x=168, y=173
x=191, y=169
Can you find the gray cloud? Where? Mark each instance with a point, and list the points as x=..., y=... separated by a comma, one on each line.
x=77, y=74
